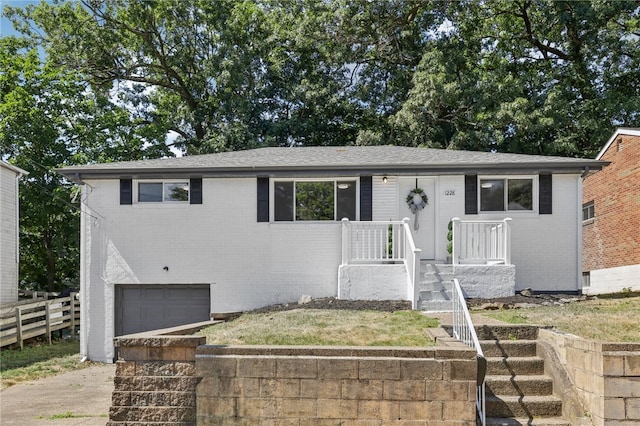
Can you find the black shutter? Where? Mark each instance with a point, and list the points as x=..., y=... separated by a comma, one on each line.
x=471, y=194
x=126, y=191
x=263, y=199
x=195, y=189
x=545, y=190
x=366, y=198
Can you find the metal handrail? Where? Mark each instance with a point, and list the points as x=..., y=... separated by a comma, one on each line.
x=464, y=330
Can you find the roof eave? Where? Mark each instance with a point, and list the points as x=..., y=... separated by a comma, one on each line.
x=79, y=174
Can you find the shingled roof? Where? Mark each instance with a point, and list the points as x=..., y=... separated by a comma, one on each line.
x=345, y=160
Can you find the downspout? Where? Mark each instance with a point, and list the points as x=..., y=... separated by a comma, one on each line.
x=579, y=230
x=20, y=174
x=17, y=235
x=84, y=319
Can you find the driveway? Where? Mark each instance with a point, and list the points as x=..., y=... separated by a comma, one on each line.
x=80, y=397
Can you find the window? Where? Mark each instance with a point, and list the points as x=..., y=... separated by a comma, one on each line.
x=588, y=211
x=513, y=194
x=159, y=192
x=320, y=200
x=586, y=279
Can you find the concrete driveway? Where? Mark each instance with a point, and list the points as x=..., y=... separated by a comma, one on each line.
x=80, y=397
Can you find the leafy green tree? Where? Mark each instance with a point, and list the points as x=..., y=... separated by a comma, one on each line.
x=49, y=118
x=530, y=76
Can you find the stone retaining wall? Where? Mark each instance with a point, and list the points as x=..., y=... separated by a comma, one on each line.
x=335, y=385
x=155, y=381
x=177, y=381
x=606, y=376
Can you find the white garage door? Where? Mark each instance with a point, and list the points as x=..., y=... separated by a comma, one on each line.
x=151, y=307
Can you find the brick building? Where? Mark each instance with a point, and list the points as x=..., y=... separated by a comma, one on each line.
x=611, y=217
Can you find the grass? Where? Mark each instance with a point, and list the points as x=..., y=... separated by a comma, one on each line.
x=38, y=360
x=325, y=327
x=613, y=319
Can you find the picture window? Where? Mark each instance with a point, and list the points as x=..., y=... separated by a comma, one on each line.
x=506, y=194
x=321, y=200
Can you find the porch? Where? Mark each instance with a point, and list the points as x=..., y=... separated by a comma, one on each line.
x=380, y=261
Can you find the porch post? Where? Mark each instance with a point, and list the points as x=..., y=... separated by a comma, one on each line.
x=455, y=240
x=346, y=241
x=507, y=241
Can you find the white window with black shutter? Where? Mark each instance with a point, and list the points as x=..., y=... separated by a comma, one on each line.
x=490, y=194
x=314, y=199
x=175, y=191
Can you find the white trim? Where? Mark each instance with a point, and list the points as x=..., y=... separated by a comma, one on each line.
x=621, y=131
x=13, y=168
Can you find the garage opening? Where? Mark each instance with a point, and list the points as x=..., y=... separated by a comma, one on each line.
x=150, y=307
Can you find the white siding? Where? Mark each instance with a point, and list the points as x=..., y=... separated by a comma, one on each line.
x=8, y=235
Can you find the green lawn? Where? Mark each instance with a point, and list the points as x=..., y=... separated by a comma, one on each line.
x=36, y=361
x=614, y=319
x=325, y=327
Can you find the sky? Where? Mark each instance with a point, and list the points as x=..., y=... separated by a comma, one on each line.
x=6, y=29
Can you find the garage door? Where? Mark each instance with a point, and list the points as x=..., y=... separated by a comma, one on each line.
x=150, y=307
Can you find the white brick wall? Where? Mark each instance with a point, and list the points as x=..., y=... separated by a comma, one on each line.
x=250, y=264
x=544, y=249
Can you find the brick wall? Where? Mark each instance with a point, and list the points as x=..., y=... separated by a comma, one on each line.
x=605, y=375
x=612, y=239
x=335, y=386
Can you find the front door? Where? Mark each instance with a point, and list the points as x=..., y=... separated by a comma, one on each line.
x=424, y=235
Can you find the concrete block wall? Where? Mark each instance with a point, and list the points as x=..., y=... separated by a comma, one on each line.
x=605, y=375
x=335, y=386
x=155, y=381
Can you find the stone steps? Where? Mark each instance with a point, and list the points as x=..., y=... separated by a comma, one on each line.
x=519, y=385
x=508, y=348
x=513, y=366
x=547, y=421
x=523, y=406
x=517, y=390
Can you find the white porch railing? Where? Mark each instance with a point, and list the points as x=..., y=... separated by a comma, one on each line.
x=481, y=241
x=380, y=243
x=464, y=330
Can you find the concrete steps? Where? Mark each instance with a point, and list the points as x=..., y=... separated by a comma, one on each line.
x=515, y=386
x=548, y=421
x=517, y=390
x=435, y=287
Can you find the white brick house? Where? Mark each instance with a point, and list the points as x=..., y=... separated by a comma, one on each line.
x=9, y=231
x=169, y=241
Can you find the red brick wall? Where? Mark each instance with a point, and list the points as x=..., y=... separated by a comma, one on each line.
x=612, y=239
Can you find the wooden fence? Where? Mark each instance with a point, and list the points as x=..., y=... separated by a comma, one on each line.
x=40, y=318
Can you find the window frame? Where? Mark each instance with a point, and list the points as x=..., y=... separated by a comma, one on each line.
x=274, y=181
x=589, y=207
x=505, y=179
x=136, y=188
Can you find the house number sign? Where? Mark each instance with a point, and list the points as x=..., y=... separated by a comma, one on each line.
x=449, y=192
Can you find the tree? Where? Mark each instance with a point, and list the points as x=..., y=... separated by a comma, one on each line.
x=529, y=76
x=49, y=118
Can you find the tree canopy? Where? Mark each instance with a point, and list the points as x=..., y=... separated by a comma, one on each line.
x=94, y=80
